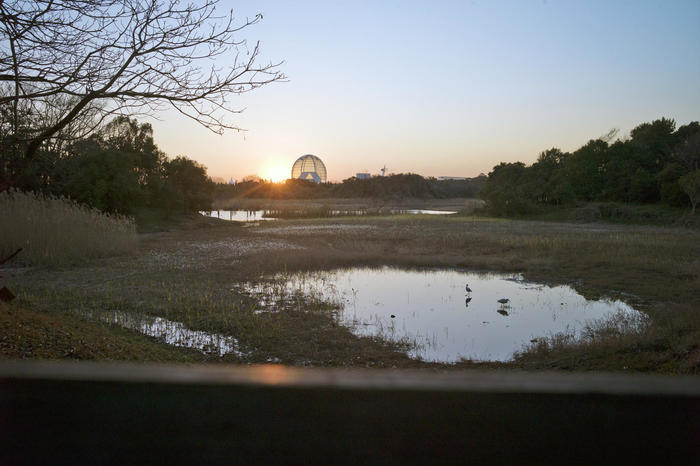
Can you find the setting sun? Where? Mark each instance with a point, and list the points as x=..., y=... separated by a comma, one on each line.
x=277, y=173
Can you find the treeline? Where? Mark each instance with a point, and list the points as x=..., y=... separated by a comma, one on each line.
x=657, y=163
x=117, y=169
x=388, y=187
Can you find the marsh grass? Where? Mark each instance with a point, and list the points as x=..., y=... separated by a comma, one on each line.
x=656, y=270
x=57, y=231
x=608, y=331
x=665, y=343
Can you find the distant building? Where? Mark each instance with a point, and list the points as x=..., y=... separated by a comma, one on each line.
x=363, y=176
x=309, y=167
x=445, y=178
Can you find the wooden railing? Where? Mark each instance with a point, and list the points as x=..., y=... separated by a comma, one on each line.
x=78, y=413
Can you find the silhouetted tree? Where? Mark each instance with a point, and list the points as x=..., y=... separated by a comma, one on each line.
x=504, y=189
x=687, y=152
x=690, y=183
x=190, y=183
x=645, y=168
x=103, y=178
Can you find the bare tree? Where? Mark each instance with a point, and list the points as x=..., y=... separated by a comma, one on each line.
x=61, y=60
x=610, y=135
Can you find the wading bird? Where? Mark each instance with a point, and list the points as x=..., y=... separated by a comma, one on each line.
x=504, y=300
x=467, y=289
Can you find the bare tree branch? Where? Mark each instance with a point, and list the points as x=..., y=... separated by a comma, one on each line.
x=71, y=58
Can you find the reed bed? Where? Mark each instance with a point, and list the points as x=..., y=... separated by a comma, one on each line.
x=57, y=231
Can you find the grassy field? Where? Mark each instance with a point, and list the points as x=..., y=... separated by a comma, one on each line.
x=189, y=275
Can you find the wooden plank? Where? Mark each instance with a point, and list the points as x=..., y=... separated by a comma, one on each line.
x=72, y=413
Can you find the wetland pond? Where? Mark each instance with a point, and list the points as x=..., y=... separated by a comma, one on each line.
x=442, y=321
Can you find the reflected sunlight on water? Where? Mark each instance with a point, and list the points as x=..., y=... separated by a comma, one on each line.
x=255, y=215
x=237, y=215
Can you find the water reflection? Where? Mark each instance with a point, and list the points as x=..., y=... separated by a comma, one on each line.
x=256, y=215
x=432, y=309
x=237, y=215
x=425, y=212
x=175, y=333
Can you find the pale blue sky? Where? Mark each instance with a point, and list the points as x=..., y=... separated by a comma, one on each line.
x=450, y=88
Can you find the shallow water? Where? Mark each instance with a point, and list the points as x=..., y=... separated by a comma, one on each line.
x=432, y=309
x=237, y=215
x=425, y=212
x=256, y=215
x=175, y=333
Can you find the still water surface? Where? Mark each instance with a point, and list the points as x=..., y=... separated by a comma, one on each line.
x=432, y=309
x=256, y=215
x=237, y=215
x=175, y=333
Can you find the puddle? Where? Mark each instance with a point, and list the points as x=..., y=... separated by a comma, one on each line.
x=237, y=215
x=176, y=334
x=432, y=310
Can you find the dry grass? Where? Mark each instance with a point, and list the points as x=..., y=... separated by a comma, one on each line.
x=57, y=231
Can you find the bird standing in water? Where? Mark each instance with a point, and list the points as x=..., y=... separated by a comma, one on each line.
x=467, y=289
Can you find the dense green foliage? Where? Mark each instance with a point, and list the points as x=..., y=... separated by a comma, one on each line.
x=117, y=169
x=645, y=168
x=381, y=187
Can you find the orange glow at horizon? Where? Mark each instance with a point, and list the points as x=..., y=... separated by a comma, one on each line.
x=276, y=173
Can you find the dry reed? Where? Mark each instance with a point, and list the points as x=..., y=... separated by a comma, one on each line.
x=57, y=231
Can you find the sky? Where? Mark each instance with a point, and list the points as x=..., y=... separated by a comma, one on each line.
x=447, y=88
